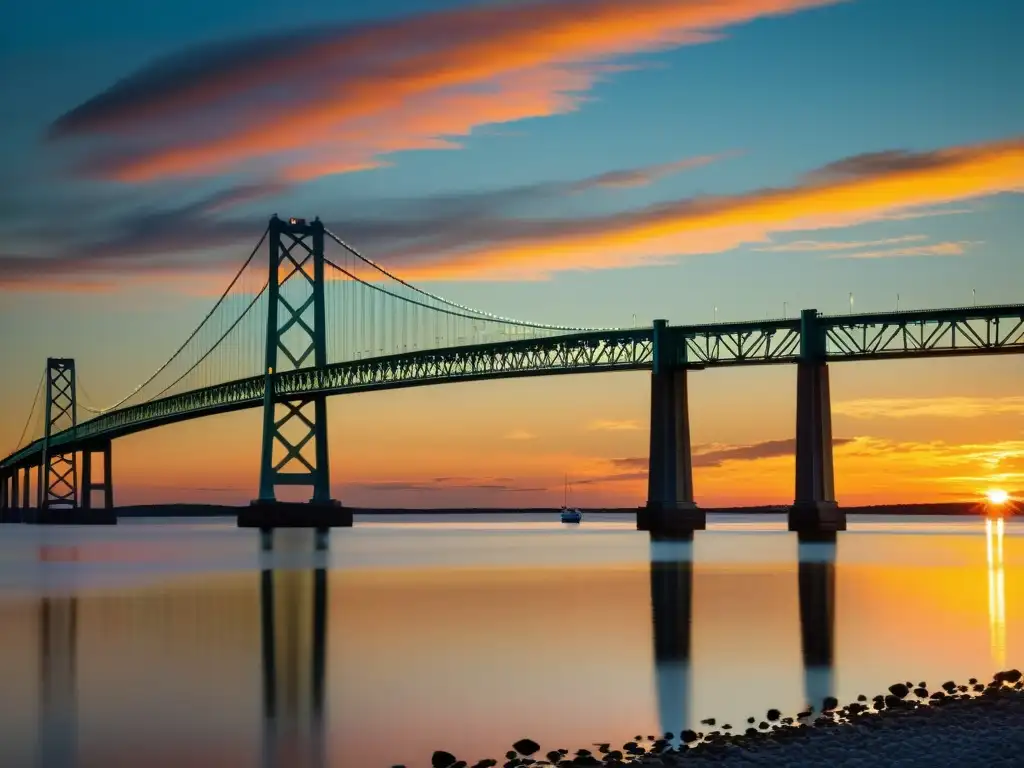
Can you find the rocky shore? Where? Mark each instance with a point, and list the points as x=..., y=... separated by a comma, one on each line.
x=910, y=725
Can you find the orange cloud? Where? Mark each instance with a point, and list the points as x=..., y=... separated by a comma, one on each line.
x=344, y=87
x=929, y=407
x=524, y=249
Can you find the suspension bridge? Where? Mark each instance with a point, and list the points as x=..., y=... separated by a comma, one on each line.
x=313, y=317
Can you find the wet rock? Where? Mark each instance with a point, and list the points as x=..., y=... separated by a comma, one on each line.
x=922, y=692
x=488, y=763
x=829, y=703
x=937, y=696
x=750, y=720
x=688, y=737
x=553, y=756
x=526, y=747
x=899, y=690
x=972, y=681
x=709, y=721
x=726, y=727
x=772, y=714
x=763, y=725
x=949, y=686
x=442, y=759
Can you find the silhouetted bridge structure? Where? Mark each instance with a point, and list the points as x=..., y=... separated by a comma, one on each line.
x=286, y=338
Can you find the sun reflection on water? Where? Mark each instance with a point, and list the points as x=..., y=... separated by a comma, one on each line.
x=996, y=590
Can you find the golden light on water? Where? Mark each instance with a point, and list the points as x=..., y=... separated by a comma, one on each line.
x=997, y=496
x=996, y=590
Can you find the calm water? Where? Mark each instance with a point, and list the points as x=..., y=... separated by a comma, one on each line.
x=182, y=643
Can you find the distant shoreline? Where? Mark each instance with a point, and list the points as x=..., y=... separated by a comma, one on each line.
x=955, y=508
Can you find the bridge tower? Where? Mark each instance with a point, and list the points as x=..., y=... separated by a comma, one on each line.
x=58, y=472
x=814, y=509
x=296, y=340
x=671, y=511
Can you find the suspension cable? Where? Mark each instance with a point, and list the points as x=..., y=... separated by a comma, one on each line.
x=480, y=314
x=215, y=345
x=172, y=358
x=407, y=300
x=31, y=413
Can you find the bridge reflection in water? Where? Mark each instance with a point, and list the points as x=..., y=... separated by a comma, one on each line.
x=293, y=623
x=672, y=612
x=57, y=734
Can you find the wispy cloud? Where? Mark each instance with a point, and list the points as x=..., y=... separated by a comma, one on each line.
x=520, y=434
x=447, y=238
x=956, y=248
x=437, y=484
x=511, y=248
x=614, y=425
x=828, y=246
x=328, y=100
x=715, y=456
x=929, y=407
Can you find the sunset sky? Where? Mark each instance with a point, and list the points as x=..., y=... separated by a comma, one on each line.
x=565, y=161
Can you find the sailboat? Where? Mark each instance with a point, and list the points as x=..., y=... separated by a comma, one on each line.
x=570, y=514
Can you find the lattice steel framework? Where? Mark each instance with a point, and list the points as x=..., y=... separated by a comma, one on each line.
x=289, y=425
x=58, y=471
x=983, y=330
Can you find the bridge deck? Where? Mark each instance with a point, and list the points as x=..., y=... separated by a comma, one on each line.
x=925, y=333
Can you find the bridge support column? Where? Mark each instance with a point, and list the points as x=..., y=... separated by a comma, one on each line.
x=671, y=511
x=4, y=503
x=26, y=489
x=290, y=424
x=814, y=509
x=106, y=513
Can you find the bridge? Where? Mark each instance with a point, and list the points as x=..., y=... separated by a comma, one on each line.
x=307, y=321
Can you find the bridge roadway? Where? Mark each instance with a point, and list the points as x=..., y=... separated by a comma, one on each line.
x=894, y=335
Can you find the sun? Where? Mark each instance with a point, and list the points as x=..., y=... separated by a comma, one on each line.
x=997, y=496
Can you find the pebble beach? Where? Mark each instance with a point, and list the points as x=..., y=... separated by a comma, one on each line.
x=911, y=724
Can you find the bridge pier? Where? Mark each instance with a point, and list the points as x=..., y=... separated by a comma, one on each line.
x=814, y=510
x=5, y=509
x=106, y=514
x=671, y=512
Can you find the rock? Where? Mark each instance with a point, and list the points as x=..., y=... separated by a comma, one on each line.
x=862, y=697
x=442, y=759
x=750, y=720
x=726, y=727
x=553, y=756
x=763, y=725
x=526, y=747
x=772, y=715
x=488, y=763
x=829, y=703
x=922, y=692
x=709, y=721
x=899, y=690
x=688, y=736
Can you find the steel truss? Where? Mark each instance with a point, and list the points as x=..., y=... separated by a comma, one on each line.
x=931, y=333
x=297, y=249
x=58, y=471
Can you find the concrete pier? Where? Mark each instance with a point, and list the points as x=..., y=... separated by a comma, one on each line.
x=671, y=511
x=814, y=508
x=267, y=515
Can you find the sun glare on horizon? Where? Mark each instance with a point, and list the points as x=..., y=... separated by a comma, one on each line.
x=997, y=496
